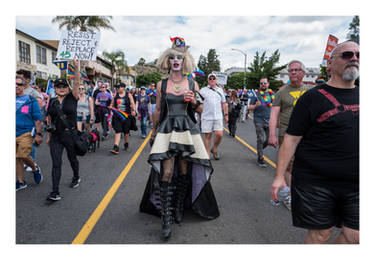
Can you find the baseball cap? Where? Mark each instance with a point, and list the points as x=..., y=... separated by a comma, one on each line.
x=143, y=87
x=211, y=74
x=61, y=82
x=120, y=85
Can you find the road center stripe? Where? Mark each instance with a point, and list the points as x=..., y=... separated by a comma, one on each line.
x=95, y=216
x=252, y=149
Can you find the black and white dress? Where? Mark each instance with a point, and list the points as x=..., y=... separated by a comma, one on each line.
x=179, y=135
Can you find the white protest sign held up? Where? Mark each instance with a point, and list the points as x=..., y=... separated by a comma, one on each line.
x=79, y=45
x=221, y=77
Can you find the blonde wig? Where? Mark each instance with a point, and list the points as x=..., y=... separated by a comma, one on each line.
x=188, y=64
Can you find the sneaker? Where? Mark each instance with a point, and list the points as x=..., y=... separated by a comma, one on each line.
x=114, y=150
x=126, y=146
x=54, y=195
x=38, y=177
x=27, y=168
x=143, y=136
x=287, y=203
x=261, y=162
x=75, y=182
x=20, y=185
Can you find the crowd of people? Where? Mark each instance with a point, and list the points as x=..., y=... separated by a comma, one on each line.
x=317, y=130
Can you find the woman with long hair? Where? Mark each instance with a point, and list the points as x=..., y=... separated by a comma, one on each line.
x=181, y=168
x=85, y=110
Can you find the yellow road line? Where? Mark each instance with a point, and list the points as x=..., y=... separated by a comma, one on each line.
x=95, y=216
x=252, y=149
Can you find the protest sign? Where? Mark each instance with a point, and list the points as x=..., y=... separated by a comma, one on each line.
x=331, y=44
x=221, y=77
x=79, y=45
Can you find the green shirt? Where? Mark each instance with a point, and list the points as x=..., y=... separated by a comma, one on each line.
x=286, y=99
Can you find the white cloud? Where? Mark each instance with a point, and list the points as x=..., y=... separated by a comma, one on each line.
x=296, y=37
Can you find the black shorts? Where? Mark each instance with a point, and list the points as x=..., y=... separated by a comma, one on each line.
x=316, y=206
x=120, y=126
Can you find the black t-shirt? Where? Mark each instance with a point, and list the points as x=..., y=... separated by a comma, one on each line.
x=329, y=149
x=69, y=108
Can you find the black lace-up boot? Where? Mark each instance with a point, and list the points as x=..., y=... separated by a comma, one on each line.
x=181, y=190
x=166, y=195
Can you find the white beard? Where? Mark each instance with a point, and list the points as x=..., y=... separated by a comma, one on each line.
x=351, y=74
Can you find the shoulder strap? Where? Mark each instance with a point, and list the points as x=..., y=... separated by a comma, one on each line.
x=61, y=113
x=329, y=97
x=164, y=86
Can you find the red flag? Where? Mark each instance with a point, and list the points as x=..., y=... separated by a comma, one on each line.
x=331, y=44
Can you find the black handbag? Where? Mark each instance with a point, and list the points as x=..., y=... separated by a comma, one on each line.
x=133, y=123
x=81, y=139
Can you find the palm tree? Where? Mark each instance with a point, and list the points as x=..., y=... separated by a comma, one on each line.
x=84, y=23
x=117, y=59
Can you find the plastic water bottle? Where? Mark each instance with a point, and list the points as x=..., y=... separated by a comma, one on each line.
x=282, y=194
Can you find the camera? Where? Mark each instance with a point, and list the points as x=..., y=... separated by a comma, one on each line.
x=51, y=128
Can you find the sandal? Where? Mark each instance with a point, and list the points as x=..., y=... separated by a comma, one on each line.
x=216, y=155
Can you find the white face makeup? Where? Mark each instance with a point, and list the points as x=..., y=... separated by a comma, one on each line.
x=176, y=61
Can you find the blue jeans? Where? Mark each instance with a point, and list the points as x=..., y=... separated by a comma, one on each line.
x=144, y=125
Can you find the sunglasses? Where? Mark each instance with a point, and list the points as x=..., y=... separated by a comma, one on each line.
x=19, y=84
x=61, y=86
x=347, y=55
x=81, y=89
x=178, y=57
x=211, y=78
x=263, y=83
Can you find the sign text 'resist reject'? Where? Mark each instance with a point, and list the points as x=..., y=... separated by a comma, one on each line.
x=79, y=45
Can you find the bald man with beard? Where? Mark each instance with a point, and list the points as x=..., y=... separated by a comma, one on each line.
x=323, y=133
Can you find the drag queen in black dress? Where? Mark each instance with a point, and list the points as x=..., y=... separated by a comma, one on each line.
x=180, y=166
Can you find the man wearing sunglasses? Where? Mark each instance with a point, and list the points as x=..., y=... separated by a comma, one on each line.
x=212, y=116
x=324, y=135
x=261, y=104
x=28, y=116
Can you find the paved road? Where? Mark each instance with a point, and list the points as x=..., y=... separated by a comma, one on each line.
x=241, y=189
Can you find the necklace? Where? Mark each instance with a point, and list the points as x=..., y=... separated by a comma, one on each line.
x=177, y=87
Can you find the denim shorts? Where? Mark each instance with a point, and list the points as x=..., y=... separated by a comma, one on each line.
x=80, y=119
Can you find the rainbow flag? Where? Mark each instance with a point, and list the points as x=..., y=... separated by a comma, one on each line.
x=84, y=77
x=71, y=71
x=180, y=41
x=120, y=113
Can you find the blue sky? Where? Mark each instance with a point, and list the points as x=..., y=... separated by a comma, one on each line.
x=296, y=37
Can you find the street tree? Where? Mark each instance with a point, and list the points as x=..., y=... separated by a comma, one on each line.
x=235, y=81
x=207, y=65
x=118, y=62
x=261, y=67
x=146, y=79
x=141, y=62
x=354, y=30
